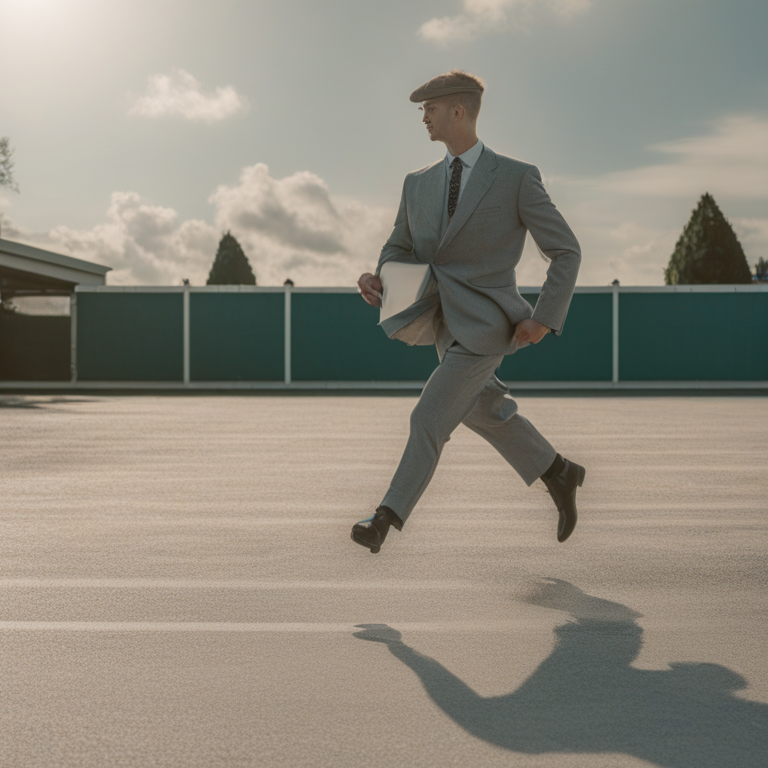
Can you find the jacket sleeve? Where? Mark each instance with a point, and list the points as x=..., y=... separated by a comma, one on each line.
x=557, y=242
x=399, y=246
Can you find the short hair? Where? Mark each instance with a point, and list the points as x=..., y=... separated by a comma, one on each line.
x=470, y=100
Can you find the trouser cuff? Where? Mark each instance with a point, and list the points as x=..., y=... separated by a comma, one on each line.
x=392, y=517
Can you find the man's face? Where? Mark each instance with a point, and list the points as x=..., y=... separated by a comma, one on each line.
x=438, y=117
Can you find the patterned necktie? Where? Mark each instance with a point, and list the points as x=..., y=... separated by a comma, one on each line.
x=454, y=186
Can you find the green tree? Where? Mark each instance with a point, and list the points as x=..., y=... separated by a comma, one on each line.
x=6, y=165
x=761, y=270
x=708, y=251
x=230, y=267
x=6, y=170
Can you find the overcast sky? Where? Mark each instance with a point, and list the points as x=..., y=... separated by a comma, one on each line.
x=144, y=130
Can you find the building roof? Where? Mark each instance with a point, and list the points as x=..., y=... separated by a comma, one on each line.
x=26, y=270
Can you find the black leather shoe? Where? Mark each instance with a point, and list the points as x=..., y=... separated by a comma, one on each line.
x=372, y=531
x=562, y=489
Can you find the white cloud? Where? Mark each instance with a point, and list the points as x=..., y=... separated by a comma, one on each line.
x=629, y=246
x=627, y=222
x=483, y=16
x=298, y=229
x=182, y=94
x=292, y=227
x=144, y=244
x=753, y=234
x=730, y=161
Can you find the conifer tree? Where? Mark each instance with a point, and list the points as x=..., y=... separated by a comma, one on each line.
x=6, y=172
x=708, y=252
x=6, y=165
x=231, y=266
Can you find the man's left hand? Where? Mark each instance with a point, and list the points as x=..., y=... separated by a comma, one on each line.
x=529, y=332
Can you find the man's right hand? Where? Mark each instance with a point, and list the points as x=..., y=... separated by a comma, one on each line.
x=370, y=289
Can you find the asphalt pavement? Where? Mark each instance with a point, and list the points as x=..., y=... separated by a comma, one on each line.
x=178, y=587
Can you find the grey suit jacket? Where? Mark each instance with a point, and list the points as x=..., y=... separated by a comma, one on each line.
x=473, y=291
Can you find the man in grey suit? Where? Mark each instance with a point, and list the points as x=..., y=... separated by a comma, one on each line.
x=467, y=217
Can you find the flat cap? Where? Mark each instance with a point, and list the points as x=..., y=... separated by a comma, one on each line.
x=446, y=85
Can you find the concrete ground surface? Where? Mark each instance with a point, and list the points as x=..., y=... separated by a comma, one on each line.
x=178, y=587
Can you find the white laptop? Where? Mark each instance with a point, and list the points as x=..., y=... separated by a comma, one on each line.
x=403, y=285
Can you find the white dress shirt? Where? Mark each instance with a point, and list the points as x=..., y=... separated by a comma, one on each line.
x=468, y=161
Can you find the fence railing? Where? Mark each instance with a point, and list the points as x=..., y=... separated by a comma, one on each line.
x=245, y=337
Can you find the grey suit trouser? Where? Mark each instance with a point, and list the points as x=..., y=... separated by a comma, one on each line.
x=464, y=390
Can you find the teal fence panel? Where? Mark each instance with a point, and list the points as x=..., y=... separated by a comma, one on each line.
x=130, y=336
x=693, y=336
x=335, y=337
x=236, y=336
x=583, y=352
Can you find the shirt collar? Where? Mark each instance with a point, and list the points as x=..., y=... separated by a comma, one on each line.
x=469, y=158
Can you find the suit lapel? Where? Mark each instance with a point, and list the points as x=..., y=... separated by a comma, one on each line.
x=481, y=179
x=432, y=197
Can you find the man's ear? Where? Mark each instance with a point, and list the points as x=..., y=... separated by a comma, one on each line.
x=459, y=112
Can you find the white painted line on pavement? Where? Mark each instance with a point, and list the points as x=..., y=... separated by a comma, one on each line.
x=254, y=584
x=235, y=626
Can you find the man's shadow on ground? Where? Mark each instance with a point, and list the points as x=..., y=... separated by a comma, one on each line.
x=586, y=698
x=33, y=402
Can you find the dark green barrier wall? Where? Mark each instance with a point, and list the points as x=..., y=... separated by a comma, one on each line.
x=130, y=337
x=581, y=353
x=335, y=337
x=34, y=347
x=693, y=336
x=236, y=336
